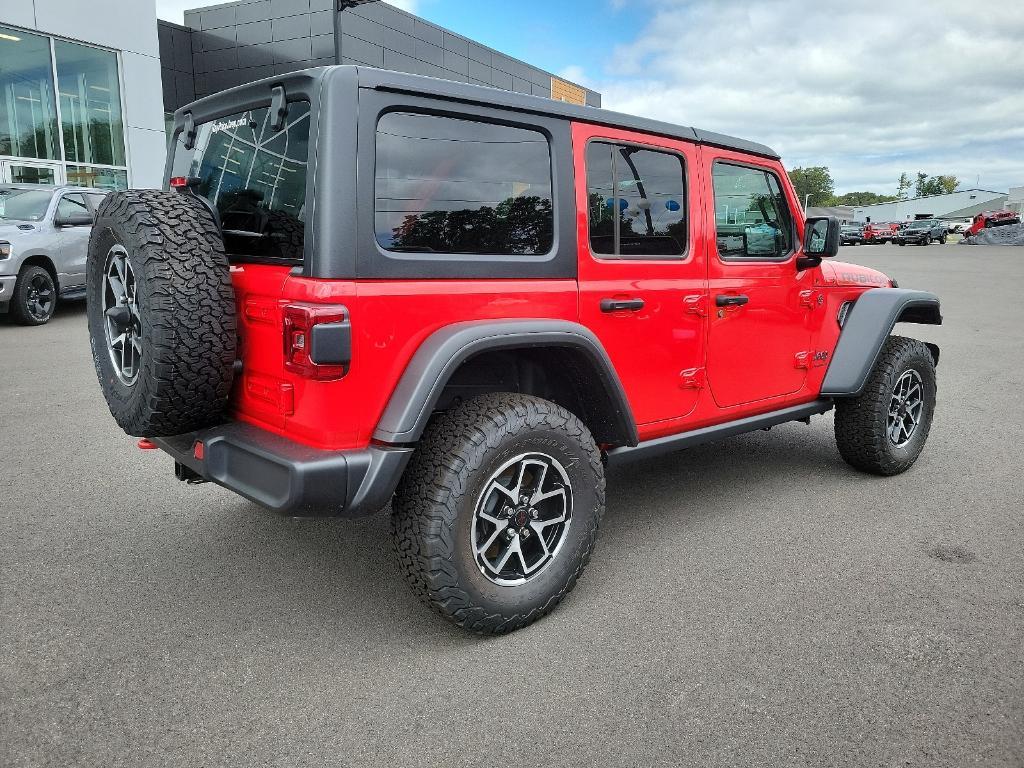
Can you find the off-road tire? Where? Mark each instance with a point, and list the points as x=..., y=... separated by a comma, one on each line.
x=186, y=309
x=861, y=422
x=435, y=505
x=19, y=306
x=942, y=240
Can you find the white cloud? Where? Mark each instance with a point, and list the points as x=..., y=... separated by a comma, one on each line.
x=869, y=89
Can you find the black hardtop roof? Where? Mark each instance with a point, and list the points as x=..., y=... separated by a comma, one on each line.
x=400, y=82
x=388, y=80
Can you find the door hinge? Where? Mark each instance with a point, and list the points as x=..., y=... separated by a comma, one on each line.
x=695, y=304
x=811, y=299
x=810, y=359
x=691, y=378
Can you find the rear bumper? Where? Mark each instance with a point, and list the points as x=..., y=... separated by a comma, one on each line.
x=286, y=476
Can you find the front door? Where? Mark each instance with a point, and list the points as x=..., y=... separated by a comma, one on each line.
x=30, y=172
x=642, y=278
x=759, y=332
x=73, y=242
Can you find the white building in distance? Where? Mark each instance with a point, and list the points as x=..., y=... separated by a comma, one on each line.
x=963, y=204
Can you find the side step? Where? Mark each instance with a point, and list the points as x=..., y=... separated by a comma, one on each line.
x=73, y=293
x=683, y=440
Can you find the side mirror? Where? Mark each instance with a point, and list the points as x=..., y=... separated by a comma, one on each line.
x=821, y=241
x=76, y=219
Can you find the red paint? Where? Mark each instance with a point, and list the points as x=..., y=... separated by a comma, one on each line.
x=145, y=444
x=683, y=363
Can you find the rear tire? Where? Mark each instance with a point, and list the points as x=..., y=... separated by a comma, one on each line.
x=883, y=431
x=35, y=297
x=484, y=473
x=161, y=312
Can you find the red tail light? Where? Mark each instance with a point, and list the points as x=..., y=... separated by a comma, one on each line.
x=179, y=182
x=317, y=341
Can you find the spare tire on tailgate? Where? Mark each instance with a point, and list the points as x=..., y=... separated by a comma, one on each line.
x=161, y=312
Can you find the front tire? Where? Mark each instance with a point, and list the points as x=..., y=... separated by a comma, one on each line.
x=35, y=297
x=498, y=512
x=883, y=431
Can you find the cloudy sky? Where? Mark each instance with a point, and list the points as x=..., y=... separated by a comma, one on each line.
x=869, y=88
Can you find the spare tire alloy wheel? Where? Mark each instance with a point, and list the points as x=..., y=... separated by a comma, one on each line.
x=522, y=518
x=123, y=325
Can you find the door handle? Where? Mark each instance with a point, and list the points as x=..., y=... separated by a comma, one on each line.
x=731, y=300
x=622, y=305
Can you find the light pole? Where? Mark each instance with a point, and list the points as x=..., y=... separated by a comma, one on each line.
x=806, y=198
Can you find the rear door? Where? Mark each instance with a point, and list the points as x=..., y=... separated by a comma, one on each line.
x=759, y=333
x=642, y=277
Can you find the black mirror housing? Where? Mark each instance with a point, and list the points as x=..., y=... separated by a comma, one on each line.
x=821, y=240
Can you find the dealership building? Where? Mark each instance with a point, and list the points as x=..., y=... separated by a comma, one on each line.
x=87, y=88
x=963, y=204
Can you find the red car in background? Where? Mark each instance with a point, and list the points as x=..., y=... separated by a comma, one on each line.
x=988, y=219
x=879, y=232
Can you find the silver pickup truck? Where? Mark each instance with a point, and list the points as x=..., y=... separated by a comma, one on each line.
x=44, y=238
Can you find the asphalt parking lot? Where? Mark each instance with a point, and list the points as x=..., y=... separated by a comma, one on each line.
x=755, y=602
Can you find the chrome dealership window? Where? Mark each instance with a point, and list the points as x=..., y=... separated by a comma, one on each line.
x=28, y=112
x=256, y=177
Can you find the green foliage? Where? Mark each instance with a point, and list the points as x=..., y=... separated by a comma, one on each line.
x=935, y=185
x=864, y=198
x=903, y=187
x=815, y=182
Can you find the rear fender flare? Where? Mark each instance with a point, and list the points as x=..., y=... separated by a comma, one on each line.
x=867, y=326
x=440, y=355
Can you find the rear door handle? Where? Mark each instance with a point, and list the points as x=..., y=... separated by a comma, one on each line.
x=731, y=300
x=622, y=305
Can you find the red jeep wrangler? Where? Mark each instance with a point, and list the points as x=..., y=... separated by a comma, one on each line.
x=991, y=219
x=369, y=286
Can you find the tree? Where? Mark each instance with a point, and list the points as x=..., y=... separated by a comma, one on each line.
x=921, y=187
x=902, y=187
x=814, y=185
x=864, y=198
x=948, y=183
x=935, y=185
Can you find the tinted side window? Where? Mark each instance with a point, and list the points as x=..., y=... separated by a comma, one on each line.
x=752, y=218
x=636, y=201
x=447, y=185
x=69, y=204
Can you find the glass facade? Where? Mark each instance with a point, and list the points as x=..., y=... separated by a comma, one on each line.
x=60, y=103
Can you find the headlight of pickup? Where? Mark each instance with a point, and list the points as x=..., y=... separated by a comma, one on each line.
x=5, y=250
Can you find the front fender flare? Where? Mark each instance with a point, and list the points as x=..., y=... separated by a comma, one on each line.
x=441, y=354
x=868, y=325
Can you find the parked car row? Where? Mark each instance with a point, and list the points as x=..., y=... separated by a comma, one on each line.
x=44, y=237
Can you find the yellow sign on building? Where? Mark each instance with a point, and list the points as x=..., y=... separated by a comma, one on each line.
x=563, y=91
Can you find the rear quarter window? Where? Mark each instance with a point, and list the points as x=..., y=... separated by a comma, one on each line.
x=457, y=186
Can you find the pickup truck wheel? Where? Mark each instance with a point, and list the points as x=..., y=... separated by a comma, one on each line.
x=498, y=512
x=942, y=240
x=884, y=430
x=35, y=297
x=161, y=312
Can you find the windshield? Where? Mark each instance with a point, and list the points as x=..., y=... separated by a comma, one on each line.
x=256, y=178
x=919, y=225
x=24, y=204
